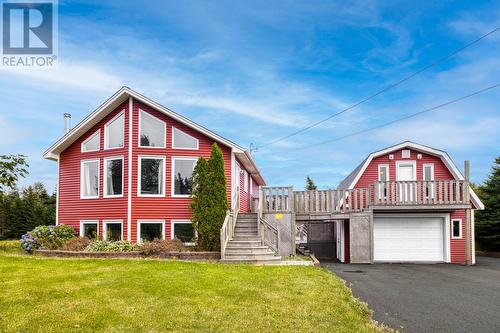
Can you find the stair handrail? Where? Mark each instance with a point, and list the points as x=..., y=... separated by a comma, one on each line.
x=227, y=229
x=264, y=226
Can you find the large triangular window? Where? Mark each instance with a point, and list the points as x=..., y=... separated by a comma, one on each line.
x=182, y=140
x=92, y=143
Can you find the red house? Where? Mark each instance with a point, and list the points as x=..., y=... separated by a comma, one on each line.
x=419, y=205
x=124, y=172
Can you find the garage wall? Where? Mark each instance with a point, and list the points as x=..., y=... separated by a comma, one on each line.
x=457, y=246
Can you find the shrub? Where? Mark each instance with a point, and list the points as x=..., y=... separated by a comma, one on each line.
x=158, y=246
x=46, y=237
x=76, y=244
x=110, y=246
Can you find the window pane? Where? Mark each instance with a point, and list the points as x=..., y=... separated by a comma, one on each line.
x=90, y=230
x=383, y=174
x=90, y=179
x=183, y=173
x=184, y=232
x=114, y=133
x=114, y=177
x=183, y=140
x=150, y=231
x=152, y=131
x=456, y=228
x=151, y=176
x=92, y=143
x=427, y=173
x=114, y=231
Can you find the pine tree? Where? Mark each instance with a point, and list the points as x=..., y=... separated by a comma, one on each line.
x=198, y=200
x=217, y=204
x=488, y=220
x=310, y=186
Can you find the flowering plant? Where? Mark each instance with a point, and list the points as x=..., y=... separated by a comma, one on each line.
x=48, y=237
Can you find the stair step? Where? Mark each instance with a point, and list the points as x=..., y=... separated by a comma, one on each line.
x=256, y=261
x=240, y=243
x=231, y=246
x=241, y=251
x=257, y=256
x=246, y=238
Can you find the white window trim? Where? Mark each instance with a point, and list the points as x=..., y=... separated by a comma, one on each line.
x=172, y=229
x=408, y=162
x=139, y=167
x=106, y=160
x=150, y=221
x=140, y=129
x=251, y=184
x=98, y=178
x=83, y=222
x=380, y=166
x=104, y=227
x=175, y=158
x=183, y=148
x=122, y=113
x=432, y=170
x=460, y=228
x=403, y=153
x=245, y=181
x=96, y=133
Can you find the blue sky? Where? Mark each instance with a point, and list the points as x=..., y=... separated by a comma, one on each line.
x=256, y=71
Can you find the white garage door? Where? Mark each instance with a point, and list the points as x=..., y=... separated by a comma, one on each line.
x=408, y=239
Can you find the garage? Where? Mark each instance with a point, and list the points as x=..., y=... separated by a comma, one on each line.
x=409, y=239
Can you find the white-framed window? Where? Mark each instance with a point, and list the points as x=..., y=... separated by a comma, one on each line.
x=89, y=179
x=114, y=132
x=182, y=140
x=245, y=181
x=151, y=178
x=405, y=153
x=184, y=231
x=112, y=230
x=93, y=143
x=182, y=176
x=152, y=131
x=251, y=185
x=456, y=228
x=428, y=175
x=383, y=176
x=113, y=177
x=148, y=230
x=89, y=229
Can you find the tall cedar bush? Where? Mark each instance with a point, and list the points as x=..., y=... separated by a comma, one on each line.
x=488, y=220
x=209, y=200
x=310, y=186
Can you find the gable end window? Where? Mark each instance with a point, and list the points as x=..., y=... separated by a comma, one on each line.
x=113, y=177
x=93, y=143
x=113, y=132
x=456, y=228
x=151, y=131
x=182, y=176
x=405, y=153
x=182, y=140
x=89, y=179
x=151, y=176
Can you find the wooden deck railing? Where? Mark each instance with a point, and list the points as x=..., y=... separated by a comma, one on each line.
x=439, y=192
x=393, y=193
x=227, y=229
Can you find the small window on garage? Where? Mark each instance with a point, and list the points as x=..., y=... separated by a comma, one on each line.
x=456, y=226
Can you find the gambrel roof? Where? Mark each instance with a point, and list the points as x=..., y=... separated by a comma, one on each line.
x=350, y=181
x=124, y=94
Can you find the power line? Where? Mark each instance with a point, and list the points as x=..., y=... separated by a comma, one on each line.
x=412, y=115
x=435, y=63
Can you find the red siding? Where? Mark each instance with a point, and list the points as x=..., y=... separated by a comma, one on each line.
x=167, y=208
x=457, y=246
x=244, y=195
x=72, y=209
x=370, y=175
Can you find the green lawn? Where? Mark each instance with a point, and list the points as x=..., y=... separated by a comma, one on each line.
x=92, y=295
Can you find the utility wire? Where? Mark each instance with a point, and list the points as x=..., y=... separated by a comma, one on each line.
x=435, y=63
x=412, y=115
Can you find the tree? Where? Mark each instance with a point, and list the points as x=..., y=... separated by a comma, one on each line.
x=310, y=186
x=198, y=200
x=11, y=168
x=209, y=199
x=488, y=220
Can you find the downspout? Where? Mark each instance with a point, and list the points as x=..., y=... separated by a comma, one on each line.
x=129, y=187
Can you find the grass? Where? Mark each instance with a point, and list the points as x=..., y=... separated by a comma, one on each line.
x=10, y=247
x=106, y=295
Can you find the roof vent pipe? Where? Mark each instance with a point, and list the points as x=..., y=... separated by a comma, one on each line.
x=67, y=122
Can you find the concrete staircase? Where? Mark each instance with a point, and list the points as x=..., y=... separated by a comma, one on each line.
x=246, y=245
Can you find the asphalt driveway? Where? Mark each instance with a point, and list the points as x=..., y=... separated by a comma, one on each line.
x=429, y=298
